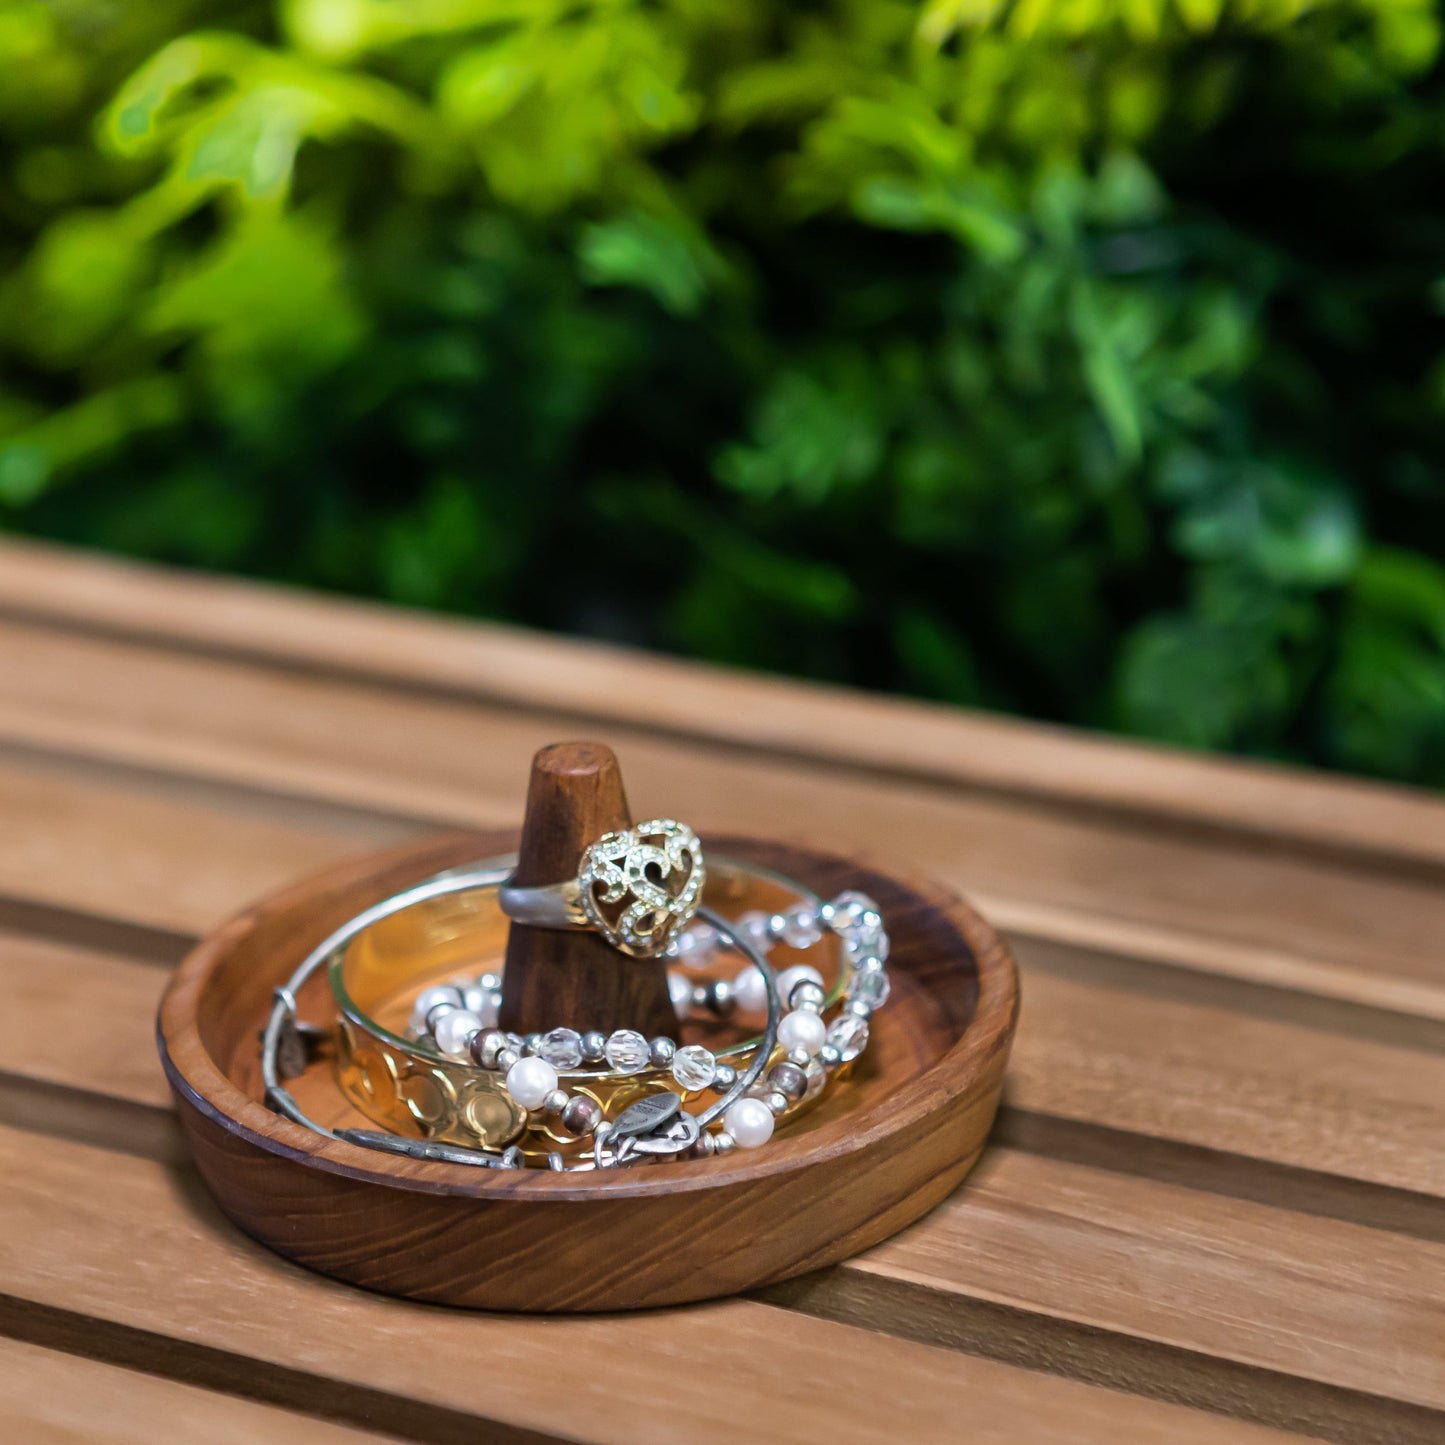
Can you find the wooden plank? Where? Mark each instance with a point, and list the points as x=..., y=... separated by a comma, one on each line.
x=1295, y=1319
x=611, y=685
x=1343, y=929
x=49, y=1398
x=1212, y=1073
x=434, y=1374
x=1334, y=1329
x=104, y=842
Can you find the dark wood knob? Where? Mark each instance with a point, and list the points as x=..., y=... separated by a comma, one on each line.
x=571, y=977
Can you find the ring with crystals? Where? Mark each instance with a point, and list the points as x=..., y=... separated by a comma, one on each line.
x=638, y=887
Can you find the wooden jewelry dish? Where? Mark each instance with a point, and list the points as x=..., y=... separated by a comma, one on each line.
x=877, y=1151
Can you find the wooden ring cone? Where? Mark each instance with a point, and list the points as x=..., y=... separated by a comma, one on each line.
x=572, y=977
x=873, y=1156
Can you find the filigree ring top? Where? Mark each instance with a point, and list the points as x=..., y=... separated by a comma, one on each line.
x=638, y=887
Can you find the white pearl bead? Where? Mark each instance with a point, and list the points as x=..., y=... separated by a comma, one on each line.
x=428, y=999
x=454, y=1031
x=483, y=1003
x=750, y=992
x=790, y=978
x=530, y=1080
x=804, y=1030
x=750, y=1122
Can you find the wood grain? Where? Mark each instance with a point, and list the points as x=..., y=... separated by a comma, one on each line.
x=50, y=1398
x=1025, y=859
x=534, y=671
x=1221, y=1180
x=1231, y=1071
x=1040, y=1263
x=163, y=1266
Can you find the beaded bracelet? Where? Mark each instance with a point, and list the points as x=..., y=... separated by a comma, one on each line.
x=455, y=1024
x=458, y=1019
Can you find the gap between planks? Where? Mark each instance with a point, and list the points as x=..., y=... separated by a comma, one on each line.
x=595, y=683
x=171, y=1286
x=1268, y=915
x=1209, y=1073
x=49, y=1397
x=1092, y=1274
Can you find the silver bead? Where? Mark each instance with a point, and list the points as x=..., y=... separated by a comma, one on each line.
x=722, y=1143
x=533, y=1044
x=788, y=1079
x=700, y=995
x=858, y=1008
x=777, y=1102
x=829, y=1056
x=555, y=1102
x=555, y=1162
x=489, y=981
x=720, y=998
x=724, y=1078
x=594, y=1046
x=439, y=1011
x=706, y=1144
x=807, y=995
x=487, y=1047
x=507, y=1057
x=581, y=1115
x=799, y=1057
x=660, y=1052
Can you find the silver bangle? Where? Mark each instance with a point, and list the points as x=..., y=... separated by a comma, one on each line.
x=808, y=1049
x=654, y=1126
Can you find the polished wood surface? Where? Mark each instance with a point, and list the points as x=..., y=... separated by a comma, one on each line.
x=1212, y=1210
x=871, y=1157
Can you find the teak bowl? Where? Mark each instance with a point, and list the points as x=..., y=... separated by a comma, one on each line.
x=876, y=1153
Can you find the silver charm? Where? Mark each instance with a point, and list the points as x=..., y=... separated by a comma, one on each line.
x=646, y=1115
x=677, y=1136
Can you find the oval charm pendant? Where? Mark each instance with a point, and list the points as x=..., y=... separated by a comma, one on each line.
x=646, y=1115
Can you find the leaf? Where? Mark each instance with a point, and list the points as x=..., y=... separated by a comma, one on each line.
x=665, y=257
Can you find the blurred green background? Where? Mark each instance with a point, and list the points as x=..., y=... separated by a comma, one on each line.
x=1078, y=358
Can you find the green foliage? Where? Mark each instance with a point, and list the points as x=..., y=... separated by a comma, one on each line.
x=1074, y=358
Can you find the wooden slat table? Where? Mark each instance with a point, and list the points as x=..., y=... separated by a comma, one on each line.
x=1213, y=1209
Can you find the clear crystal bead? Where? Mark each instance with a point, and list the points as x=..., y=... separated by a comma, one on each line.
x=817, y=1077
x=852, y=909
x=849, y=1035
x=562, y=1048
x=694, y=1066
x=756, y=927
x=627, y=1051
x=867, y=943
x=802, y=927
x=870, y=988
x=697, y=945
